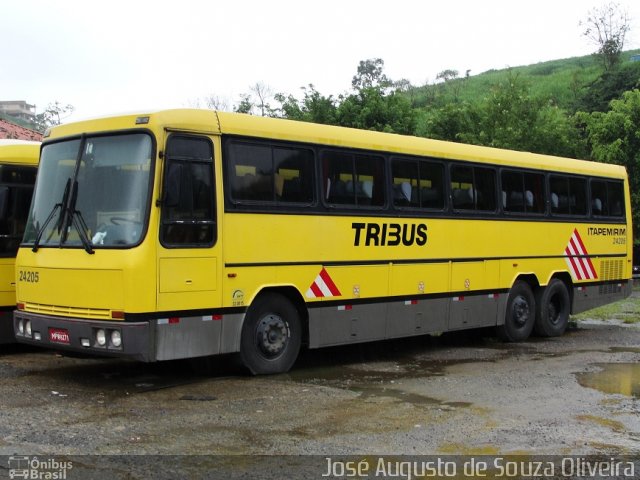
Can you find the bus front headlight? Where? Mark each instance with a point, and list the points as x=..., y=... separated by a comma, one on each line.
x=101, y=337
x=116, y=338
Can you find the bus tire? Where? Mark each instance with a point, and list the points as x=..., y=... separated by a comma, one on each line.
x=271, y=335
x=553, y=306
x=520, y=314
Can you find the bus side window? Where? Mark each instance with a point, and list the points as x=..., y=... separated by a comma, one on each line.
x=615, y=194
x=267, y=174
x=188, y=213
x=353, y=179
x=607, y=198
x=568, y=195
x=473, y=188
x=462, y=187
x=599, y=204
x=417, y=183
x=294, y=177
x=534, y=191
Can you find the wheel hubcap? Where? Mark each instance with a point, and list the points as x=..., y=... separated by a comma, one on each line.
x=520, y=310
x=272, y=335
x=554, y=311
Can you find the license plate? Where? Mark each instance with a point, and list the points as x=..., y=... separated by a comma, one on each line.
x=59, y=335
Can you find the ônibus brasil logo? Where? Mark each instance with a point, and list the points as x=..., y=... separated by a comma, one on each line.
x=38, y=469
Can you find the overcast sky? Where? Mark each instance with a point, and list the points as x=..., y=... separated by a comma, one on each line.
x=114, y=56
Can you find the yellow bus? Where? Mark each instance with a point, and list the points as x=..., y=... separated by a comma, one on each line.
x=18, y=166
x=191, y=233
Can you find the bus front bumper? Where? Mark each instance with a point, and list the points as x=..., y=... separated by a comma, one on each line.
x=108, y=338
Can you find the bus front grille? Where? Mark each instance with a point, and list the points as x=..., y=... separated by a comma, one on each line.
x=79, y=312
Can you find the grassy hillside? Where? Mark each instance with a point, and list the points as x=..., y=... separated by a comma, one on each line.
x=560, y=81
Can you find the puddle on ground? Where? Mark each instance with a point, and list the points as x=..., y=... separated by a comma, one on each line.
x=604, y=422
x=614, y=378
x=624, y=349
x=382, y=379
x=369, y=391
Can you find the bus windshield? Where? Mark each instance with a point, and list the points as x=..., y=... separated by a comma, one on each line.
x=91, y=192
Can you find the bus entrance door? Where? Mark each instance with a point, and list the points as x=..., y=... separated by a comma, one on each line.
x=188, y=285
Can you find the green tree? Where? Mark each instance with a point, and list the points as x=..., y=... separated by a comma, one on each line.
x=314, y=107
x=374, y=105
x=509, y=117
x=607, y=27
x=52, y=115
x=245, y=105
x=370, y=75
x=610, y=85
x=614, y=137
x=452, y=122
x=370, y=109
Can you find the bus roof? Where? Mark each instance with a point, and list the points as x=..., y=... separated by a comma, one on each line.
x=213, y=122
x=19, y=151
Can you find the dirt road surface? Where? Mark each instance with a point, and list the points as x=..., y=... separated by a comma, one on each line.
x=464, y=393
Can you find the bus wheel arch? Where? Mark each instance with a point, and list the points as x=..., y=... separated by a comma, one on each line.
x=520, y=311
x=553, y=307
x=272, y=332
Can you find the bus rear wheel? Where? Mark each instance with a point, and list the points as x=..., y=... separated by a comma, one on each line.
x=520, y=315
x=553, y=308
x=271, y=335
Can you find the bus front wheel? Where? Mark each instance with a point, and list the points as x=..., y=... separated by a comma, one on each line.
x=271, y=335
x=520, y=315
x=553, y=308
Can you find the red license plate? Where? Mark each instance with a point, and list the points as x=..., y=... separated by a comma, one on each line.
x=59, y=335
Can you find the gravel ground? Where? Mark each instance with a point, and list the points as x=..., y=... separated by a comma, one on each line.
x=463, y=393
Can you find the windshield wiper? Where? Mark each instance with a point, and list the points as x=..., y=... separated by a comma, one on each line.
x=74, y=217
x=36, y=242
x=68, y=216
x=81, y=227
x=40, y=232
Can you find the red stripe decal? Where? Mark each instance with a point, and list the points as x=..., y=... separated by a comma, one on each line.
x=576, y=268
x=316, y=290
x=329, y=283
x=587, y=259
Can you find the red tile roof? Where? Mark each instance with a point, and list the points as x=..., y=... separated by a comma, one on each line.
x=11, y=130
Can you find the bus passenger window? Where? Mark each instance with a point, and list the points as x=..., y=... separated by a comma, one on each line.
x=473, y=188
x=534, y=192
x=417, y=183
x=353, y=179
x=523, y=192
x=485, y=181
x=607, y=198
x=599, y=204
x=578, y=188
x=615, y=195
x=268, y=173
x=462, y=191
x=568, y=195
x=293, y=169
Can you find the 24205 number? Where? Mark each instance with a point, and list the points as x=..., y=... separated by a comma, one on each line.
x=29, y=276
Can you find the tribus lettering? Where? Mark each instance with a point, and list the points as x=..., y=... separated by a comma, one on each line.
x=389, y=234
